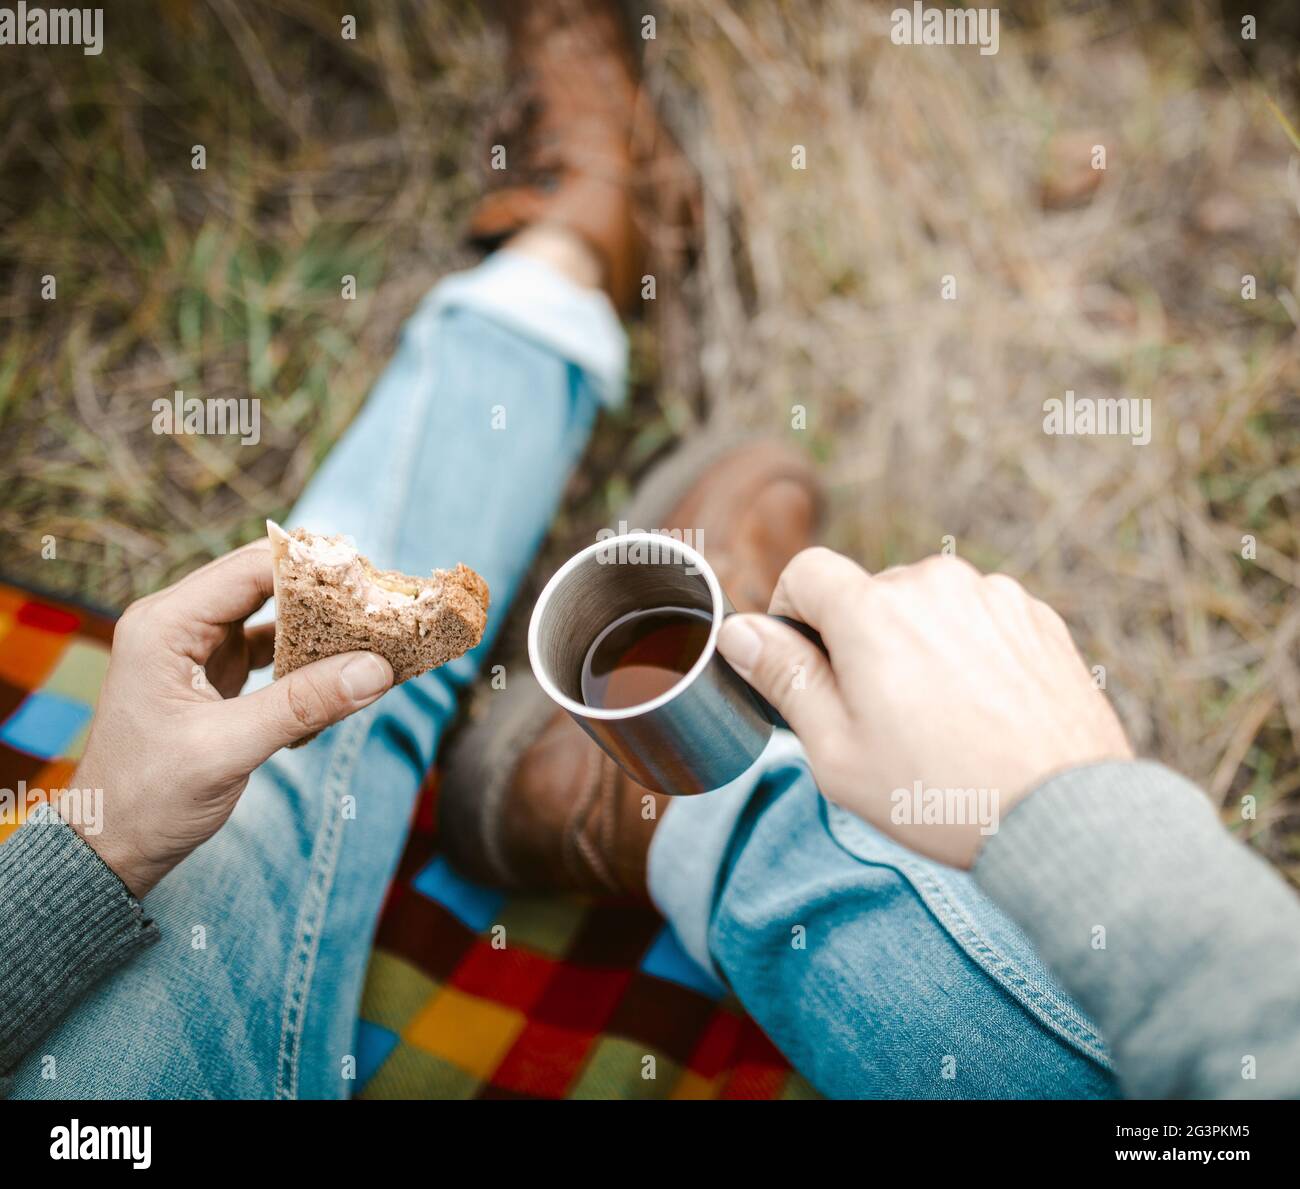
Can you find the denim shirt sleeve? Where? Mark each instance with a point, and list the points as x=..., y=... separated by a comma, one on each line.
x=1180, y=943
x=65, y=921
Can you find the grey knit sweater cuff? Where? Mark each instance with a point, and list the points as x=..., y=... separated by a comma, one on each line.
x=1180, y=943
x=65, y=921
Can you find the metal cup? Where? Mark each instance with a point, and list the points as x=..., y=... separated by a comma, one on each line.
x=699, y=735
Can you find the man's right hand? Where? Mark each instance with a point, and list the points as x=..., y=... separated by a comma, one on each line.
x=938, y=677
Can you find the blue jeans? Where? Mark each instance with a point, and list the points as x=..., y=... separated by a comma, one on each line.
x=461, y=454
x=878, y=973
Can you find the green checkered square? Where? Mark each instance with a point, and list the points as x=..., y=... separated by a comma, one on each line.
x=614, y=1070
x=798, y=1089
x=79, y=672
x=545, y=924
x=414, y=1073
x=395, y=990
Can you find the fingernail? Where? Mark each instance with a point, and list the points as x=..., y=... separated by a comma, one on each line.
x=740, y=644
x=365, y=676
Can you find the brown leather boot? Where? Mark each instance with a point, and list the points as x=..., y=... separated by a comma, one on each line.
x=527, y=800
x=584, y=149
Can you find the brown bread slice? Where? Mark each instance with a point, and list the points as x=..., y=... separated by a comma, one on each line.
x=329, y=599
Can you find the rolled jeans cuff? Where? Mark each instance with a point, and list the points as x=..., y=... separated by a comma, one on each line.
x=690, y=846
x=540, y=303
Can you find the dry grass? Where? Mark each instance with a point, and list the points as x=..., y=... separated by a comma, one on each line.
x=325, y=158
x=817, y=287
x=822, y=289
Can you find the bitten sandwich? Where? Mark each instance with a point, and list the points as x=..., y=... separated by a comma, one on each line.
x=329, y=599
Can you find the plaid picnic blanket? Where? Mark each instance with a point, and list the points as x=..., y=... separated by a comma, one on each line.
x=470, y=993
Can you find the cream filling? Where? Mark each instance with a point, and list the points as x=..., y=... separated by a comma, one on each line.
x=343, y=558
x=328, y=555
x=377, y=596
x=374, y=593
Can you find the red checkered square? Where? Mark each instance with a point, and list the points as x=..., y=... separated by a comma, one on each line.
x=512, y=976
x=580, y=999
x=48, y=618
x=544, y=1062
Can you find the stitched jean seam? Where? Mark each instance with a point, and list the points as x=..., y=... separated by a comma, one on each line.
x=1045, y=1006
x=327, y=845
x=967, y=935
x=310, y=923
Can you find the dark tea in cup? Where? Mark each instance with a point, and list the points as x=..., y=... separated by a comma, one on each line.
x=643, y=654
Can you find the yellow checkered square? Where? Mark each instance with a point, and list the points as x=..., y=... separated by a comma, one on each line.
x=471, y=1033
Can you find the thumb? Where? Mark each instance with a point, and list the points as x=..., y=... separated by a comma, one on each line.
x=301, y=703
x=789, y=671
